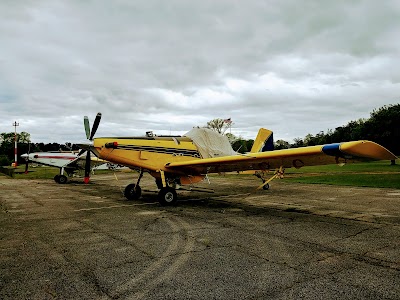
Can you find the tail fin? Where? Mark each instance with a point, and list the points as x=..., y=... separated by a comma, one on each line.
x=264, y=141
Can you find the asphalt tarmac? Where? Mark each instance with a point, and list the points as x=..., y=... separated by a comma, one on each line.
x=294, y=241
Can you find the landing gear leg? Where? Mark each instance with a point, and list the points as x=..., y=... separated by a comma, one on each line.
x=159, y=183
x=265, y=186
x=167, y=195
x=134, y=191
x=61, y=179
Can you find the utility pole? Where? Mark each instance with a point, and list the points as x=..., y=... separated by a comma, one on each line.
x=15, y=124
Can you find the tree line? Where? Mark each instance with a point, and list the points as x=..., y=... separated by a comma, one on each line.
x=382, y=127
x=24, y=145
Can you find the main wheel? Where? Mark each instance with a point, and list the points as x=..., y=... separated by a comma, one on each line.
x=56, y=178
x=167, y=196
x=62, y=179
x=132, y=191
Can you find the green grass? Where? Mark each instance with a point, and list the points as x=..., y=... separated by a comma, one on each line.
x=377, y=166
x=373, y=174
x=40, y=172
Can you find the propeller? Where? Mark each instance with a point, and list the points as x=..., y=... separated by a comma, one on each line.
x=89, y=135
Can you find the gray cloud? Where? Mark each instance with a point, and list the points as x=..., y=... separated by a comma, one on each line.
x=294, y=67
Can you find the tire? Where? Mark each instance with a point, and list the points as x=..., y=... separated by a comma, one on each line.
x=167, y=196
x=266, y=187
x=56, y=178
x=132, y=192
x=62, y=179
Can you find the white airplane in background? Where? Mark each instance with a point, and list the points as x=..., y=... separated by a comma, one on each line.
x=69, y=162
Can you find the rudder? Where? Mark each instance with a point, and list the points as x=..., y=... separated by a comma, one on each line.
x=264, y=141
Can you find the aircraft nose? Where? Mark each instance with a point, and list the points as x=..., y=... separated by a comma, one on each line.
x=25, y=156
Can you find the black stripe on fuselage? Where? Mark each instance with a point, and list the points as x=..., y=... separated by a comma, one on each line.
x=162, y=150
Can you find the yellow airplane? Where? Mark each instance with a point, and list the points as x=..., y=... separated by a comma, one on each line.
x=187, y=159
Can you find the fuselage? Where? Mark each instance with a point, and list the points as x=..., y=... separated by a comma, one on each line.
x=149, y=153
x=54, y=159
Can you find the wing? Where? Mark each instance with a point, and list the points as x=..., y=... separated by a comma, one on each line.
x=287, y=158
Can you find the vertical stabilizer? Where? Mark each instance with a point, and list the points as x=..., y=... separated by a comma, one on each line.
x=264, y=141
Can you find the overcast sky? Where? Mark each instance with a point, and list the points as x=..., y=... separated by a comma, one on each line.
x=295, y=67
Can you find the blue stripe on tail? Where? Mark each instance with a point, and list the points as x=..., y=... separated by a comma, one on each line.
x=268, y=144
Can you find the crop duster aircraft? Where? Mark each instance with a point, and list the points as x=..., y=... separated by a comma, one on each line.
x=69, y=162
x=187, y=159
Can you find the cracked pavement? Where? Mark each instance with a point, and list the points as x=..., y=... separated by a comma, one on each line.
x=294, y=241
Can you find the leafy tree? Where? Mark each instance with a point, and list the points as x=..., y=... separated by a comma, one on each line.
x=219, y=125
x=309, y=140
x=4, y=160
x=216, y=125
x=240, y=145
x=7, y=137
x=7, y=147
x=231, y=137
x=281, y=144
x=249, y=144
x=298, y=142
x=383, y=127
x=7, y=144
x=24, y=137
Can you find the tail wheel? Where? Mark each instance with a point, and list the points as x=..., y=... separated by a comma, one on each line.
x=132, y=192
x=167, y=196
x=266, y=186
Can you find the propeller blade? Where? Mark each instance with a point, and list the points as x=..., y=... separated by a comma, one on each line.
x=81, y=152
x=95, y=125
x=87, y=126
x=87, y=168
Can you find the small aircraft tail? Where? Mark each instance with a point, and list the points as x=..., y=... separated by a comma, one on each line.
x=264, y=141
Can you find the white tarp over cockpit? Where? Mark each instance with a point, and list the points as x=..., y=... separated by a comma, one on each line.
x=210, y=143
